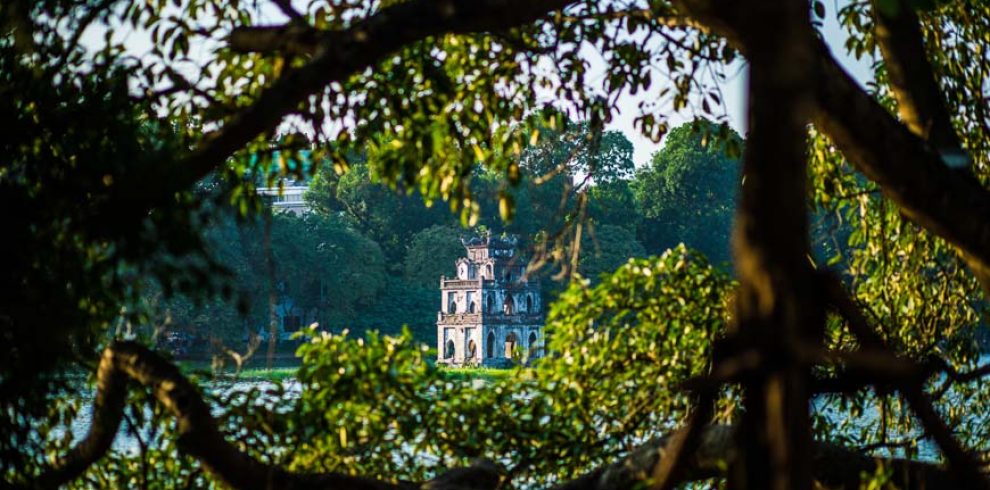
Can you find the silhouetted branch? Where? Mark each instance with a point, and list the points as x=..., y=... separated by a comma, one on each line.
x=108, y=412
x=910, y=172
x=833, y=465
x=340, y=54
x=199, y=437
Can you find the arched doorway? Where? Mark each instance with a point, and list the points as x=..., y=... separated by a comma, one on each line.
x=534, y=349
x=491, y=345
x=472, y=351
x=448, y=351
x=510, y=345
x=510, y=305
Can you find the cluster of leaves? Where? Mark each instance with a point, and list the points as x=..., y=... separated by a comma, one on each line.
x=437, y=107
x=916, y=291
x=375, y=406
x=74, y=250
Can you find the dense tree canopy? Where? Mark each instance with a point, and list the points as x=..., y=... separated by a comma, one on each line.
x=688, y=192
x=432, y=253
x=665, y=371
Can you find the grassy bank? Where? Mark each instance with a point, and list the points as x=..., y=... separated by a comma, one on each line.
x=287, y=370
x=472, y=373
x=281, y=371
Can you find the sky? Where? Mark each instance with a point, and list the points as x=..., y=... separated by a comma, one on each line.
x=733, y=91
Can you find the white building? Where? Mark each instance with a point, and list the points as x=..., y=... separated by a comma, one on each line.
x=287, y=198
x=491, y=314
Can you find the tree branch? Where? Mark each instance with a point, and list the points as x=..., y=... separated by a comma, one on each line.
x=964, y=466
x=919, y=98
x=199, y=437
x=340, y=54
x=833, y=465
x=108, y=412
x=909, y=171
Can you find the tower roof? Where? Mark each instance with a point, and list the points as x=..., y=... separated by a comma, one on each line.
x=488, y=241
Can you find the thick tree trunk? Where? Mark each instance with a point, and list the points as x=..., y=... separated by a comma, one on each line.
x=778, y=310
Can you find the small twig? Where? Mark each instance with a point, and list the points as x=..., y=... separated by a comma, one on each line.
x=286, y=7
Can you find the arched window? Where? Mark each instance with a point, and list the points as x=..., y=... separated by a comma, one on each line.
x=529, y=303
x=489, y=275
x=534, y=350
x=472, y=307
x=510, y=345
x=491, y=345
x=490, y=307
x=510, y=306
x=452, y=307
x=448, y=351
x=472, y=350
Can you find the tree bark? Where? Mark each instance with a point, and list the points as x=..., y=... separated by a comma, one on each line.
x=910, y=172
x=912, y=81
x=833, y=465
x=777, y=306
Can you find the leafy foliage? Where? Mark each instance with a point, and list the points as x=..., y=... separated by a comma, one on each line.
x=432, y=253
x=376, y=405
x=107, y=213
x=688, y=192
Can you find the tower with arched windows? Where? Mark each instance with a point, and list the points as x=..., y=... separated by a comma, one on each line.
x=491, y=314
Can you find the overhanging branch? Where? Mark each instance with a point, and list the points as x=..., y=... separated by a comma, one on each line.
x=965, y=468
x=909, y=171
x=340, y=54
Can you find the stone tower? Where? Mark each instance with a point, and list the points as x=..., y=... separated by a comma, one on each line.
x=490, y=314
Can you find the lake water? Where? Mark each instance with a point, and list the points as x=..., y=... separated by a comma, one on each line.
x=125, y=441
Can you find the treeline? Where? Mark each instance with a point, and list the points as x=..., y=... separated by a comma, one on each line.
x=370, y=256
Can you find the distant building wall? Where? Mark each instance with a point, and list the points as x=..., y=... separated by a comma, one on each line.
x=287, y=199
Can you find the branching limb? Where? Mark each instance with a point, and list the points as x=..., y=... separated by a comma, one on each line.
x=965, y=467
x=833, y=465
x=286, y=7
x=908, y=169
x=108, y=412
x=668, y=471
